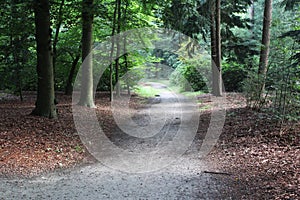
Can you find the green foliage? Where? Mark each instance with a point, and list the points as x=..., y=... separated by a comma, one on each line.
x=240, y=46
x=282, y=98
x=78, y=149
x=282, y=94
x=177, y=78
x=193, y=19
x=195, y=79
x=188, y=78
x=282, y=88
x=252, y=91
x=17, y=60
x=290, y=4
x=103, y=84
x=146, y=91
x=233, y=75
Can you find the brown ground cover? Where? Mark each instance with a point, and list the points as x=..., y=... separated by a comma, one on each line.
x=254, y=149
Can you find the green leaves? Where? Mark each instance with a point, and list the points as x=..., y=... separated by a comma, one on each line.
x=289, y=4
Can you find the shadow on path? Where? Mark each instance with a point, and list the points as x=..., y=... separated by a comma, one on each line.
x=182, y=179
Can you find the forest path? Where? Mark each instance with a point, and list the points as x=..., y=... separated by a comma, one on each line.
x=185, y=178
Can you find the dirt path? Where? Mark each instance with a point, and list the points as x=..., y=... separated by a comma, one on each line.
x=168, y=176
x=183, y=180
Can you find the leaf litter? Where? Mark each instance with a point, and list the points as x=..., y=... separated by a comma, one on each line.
x=254, y=149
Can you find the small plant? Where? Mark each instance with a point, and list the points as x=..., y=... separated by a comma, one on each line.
x=58, y=150
x=78, y=149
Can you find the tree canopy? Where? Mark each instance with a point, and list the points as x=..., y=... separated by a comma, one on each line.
x=241, y=25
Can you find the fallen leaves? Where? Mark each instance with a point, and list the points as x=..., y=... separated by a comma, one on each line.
x=32, y=145
x=262, y=153
x=253, y=147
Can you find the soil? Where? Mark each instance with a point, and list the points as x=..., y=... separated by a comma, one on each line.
x=256, y=157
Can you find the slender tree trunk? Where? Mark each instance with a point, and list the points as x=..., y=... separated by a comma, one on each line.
x=45, y=95
x=252, y=18
x=218, y=91
x=112, y=50
x=265, y=49
x=252, y=33
x=216, y=47
x=55, y=40
x=69, y=86
x=213, y=34
x=16, y=45
x=18, y=63
x=17, y=48
x=86, y=95
x=117, y=64
x=125, y=45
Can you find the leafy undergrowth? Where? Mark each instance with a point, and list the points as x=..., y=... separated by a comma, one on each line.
x=260, y=153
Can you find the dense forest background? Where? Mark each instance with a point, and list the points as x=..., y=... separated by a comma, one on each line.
x=191, y=49
x=252, y=59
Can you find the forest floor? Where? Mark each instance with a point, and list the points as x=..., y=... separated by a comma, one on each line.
x=255, y=158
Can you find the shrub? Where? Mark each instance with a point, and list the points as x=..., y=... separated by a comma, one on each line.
x=188, y=78
x=233, y=75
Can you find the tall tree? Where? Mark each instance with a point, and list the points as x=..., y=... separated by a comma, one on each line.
x=112, y=48
x=117, y=64
x=252, y=15
x=75, y=61
x=44, y=105
x=58, y=24
x=16, y=44
x=86, y=95
x=192, y=19
x=265, y=48
x=216, y=47
x=125, y=56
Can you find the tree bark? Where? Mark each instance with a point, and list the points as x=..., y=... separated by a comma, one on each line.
x=55, y=40
x=86, y=95
x=69, y=86
x=125, y=46
x=252, y=18
x=265, y=48
x=118, y=89
x=112, y=50
x=44, y=105
x=17, y=48
x=216, y=47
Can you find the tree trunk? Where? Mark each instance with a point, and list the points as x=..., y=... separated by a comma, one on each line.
x=112, y=50
x=264, y=53
x=69, y=86
x=118, y=48
x=16, y=45
x=252, y=33
x=125, y=46
x=213, y=35
x=44, y=105
x=252, y=18
x=55, y=40
x=86, y=95
x=216, y=47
